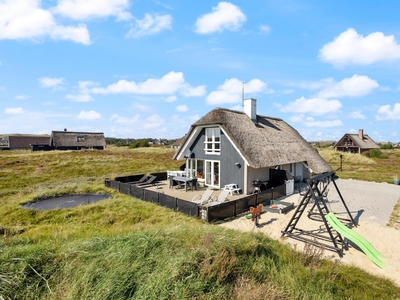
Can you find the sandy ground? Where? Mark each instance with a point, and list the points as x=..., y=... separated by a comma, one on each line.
x=369, y=203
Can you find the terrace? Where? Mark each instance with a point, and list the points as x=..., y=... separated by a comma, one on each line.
x=163, y=193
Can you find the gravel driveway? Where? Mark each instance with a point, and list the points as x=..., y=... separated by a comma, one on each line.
x=370, y=201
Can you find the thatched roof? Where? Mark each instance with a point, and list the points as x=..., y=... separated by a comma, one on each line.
x=266, y=143
x=70, y=139
x=364, y=143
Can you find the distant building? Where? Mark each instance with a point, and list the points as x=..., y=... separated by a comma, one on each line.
x=22, y=141
x=355, y=143
x=177, y=143
x=71, y=140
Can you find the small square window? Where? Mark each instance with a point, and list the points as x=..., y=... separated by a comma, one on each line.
x=80, y=138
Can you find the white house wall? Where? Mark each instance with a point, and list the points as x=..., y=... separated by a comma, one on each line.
x=255, y=174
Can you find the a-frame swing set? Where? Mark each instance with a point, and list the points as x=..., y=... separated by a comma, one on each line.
x=317, y=188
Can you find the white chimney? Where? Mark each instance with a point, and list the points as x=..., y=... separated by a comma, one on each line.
x=250, y=108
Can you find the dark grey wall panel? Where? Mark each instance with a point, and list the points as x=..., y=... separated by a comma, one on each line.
x=150, y=196
x=124, y=188
x=187, y=207
x=166, y=200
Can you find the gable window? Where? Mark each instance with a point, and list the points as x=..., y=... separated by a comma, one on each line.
x=80, y=138
x=213, y=141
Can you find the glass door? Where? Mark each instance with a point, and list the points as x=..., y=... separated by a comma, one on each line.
x=212, y=173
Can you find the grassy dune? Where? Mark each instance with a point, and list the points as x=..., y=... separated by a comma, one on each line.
x=125, y=248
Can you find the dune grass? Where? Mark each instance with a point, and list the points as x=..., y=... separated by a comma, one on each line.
x=361, y=167
x=124, y=248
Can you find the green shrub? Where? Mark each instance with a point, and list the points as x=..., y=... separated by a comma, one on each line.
x=376, y=153
x=386, y=146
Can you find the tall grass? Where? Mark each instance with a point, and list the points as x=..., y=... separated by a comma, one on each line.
x=361, y=167
x=124, y=248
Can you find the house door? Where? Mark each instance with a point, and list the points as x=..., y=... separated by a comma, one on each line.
x=212, y=173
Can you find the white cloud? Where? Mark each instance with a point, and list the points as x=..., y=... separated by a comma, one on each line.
x=386, y=112
x=79, y=97
x=265, y=29
x=22, y=97
x=87, y=9
x=153, y=122
x=231, y=91
x=168, y=84
x=314, y=106
x=224, y=16
x=124, y=120
x=150, y=25
x=48, y=82
x=14, y=111
x=355, y=86
x=182, y=108
x=197, y=91
x=84, y=92
x=89, y=115
x=357, y=115
x=320, y=124
x=171, y=98
x=24, y=19
x=352, y=48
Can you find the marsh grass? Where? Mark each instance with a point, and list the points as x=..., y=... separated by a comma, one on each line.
x=124, y=248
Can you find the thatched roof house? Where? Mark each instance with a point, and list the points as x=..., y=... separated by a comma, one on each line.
x=70, y=140
x=22, y=141
x=225, y=139
x=356, y=143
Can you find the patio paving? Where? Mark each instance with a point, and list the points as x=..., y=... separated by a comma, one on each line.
x=163, y=187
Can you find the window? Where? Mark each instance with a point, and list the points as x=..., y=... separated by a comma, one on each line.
x=80, y=138
x=213, y=141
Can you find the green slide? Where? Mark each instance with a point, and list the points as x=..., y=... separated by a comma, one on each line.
x=357, y=239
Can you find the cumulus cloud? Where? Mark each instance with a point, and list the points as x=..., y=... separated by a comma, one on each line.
x=87, y=9
x=24, y=19
x=150, y=25
x=22, y=97
x=265, y=29
x=353, y=48
x=89, y=115
x=153, y=122
x=320, y=124
x=355, y=86
x=314, y=106
x=386, y=112
x=224, y=16
x=13, y=111
x=171, y=98
x=170, y=83
x=357, y=115
x=48, y=82
x=84, y=92
x=79, y=97
x=231, y=91
x=124, y=120
x=182, y=108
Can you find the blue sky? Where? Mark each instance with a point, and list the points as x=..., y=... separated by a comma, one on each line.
x=152, y=68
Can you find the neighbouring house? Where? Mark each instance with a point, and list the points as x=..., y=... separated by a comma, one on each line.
x=22, y=141
x=227, y=146
x=177, y=144
x=71, y=140
x=355, y=143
